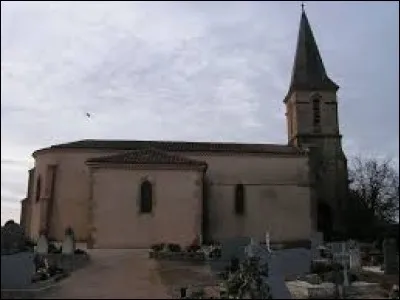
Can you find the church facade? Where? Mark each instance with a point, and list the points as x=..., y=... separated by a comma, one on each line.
x=132, y=194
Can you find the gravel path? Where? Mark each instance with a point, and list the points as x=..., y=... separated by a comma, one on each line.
x=124, y=274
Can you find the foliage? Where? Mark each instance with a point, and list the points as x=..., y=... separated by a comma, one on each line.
x=246, y=282
x=29, y=244
x=79, y=251
x=198, y=294
x=373, y=197
x=321, y=268
x=54, y=249
x=9, y=222
x=193, y=248
x=215, y=252
x=394, y=293
x=158, y=247
x=174, y=247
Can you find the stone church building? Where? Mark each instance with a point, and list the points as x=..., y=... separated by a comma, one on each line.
x=131, y=194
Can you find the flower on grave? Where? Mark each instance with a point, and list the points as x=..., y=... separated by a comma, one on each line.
x=246, y=282
x=194, y=245
x=394, y=293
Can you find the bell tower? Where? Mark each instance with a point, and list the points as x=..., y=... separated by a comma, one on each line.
x=312, y=120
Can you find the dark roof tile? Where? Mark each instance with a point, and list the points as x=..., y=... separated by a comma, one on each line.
x=308, y=69
x=175, y=146
x=147, y=156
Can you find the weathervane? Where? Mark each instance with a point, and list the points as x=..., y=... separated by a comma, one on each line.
x=302, y=6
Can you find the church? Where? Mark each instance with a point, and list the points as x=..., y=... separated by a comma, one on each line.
x=132, y=194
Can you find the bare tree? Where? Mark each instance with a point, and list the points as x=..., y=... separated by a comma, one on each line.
x=374, y=184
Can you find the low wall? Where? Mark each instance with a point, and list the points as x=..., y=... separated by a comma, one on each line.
x=67, y=262
x=178, y=256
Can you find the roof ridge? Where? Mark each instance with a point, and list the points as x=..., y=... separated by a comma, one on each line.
x=172, y=141
x=176, y=147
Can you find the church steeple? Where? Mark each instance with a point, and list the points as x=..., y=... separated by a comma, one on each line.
x=308, y=69
x=313, y=123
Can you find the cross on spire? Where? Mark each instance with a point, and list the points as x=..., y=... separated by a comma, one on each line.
x=302, y=6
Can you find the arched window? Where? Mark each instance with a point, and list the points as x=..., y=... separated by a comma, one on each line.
x=38, y=188
x=316, y=106
x=239, y=199
x=146, y=197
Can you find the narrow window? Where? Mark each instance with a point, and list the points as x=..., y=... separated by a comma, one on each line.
x=38, y=189
x=146, y=197
x=239, y=199
x=316, y=105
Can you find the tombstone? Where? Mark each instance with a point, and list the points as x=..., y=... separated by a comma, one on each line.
x=12, y=238
x=352, y=244
x=355, y=260
x=390, y=264
x=337, y=247
x=251, y=249
x=317, y=240
x=342, y=257
x=68, y=245
x=42, y=246
x=17, y=270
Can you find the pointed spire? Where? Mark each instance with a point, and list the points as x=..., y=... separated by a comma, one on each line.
x=308, y=70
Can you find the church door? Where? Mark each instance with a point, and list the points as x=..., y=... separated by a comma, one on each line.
x=324, y=220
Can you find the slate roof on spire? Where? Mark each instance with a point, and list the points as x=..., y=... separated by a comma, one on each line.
x=308, y=69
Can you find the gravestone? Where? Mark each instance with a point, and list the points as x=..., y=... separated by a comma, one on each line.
x=352, y=244
x=355, y=260
x=337, y=247
x=317, y=240
x=68, y=245
x=42, y=246
x=17, y=270
x=342, y=257
x=390, y=264
x=12, y=238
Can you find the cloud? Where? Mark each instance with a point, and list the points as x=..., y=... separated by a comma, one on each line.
x=205, y=71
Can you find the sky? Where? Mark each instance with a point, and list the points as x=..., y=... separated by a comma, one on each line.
x=195, y=71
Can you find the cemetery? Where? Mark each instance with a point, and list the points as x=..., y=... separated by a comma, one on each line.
x=28, y=269
x=233, y=268
x=246, y=269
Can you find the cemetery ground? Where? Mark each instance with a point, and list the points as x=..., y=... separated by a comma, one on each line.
x=128, y=274
x=113, y=273
x=132, y=274
x=238, y=267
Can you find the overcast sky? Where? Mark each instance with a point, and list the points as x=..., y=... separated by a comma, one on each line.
x=196, y=71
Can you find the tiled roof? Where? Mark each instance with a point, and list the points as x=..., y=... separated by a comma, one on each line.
x=147, y=156
x=170, y=146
